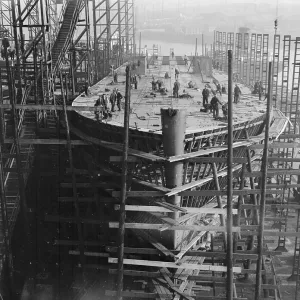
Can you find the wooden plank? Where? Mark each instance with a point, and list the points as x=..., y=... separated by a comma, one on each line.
x=178, y=227
x=172, y=207
x=158, y=289
x=146, y=194
x=143, y=295
x=289, y=136
x=235, y=192
x=89, y=253
x=283, y=206
x=283, y=159
x=160, y=264
x=172, y=287
x=200, y=210
x=89, y=199
x=150, y=251
x=50, y=107
x=57, y=218
x=212, y=150
x=273, y=233
x=273, y=173
x=274, y=145
x=239, y=160
x=190, y=245
x=119, y=159
x=76, y=243
x=24, y=141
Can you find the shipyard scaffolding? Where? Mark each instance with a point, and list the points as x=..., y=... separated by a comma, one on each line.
x=178, y=258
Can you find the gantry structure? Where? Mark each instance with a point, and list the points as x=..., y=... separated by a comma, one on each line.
x=78, y=48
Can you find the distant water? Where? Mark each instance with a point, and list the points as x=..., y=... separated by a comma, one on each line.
x=164, y=47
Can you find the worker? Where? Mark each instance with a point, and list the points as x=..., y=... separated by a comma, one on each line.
x=260, y=90
x=115, y=77
x=237, y=93
x=172, y=54
x=86, y=89
x=215, y=102
x=219, y=89
x=176, y=73
x=185, y=60
x=205, y=95
x=112, y=100
x=98, y=105
x=223, y=89
x=160, y=83
x=119, y=98
x=135, y=81
x=153, y=82
x=176, y=89
x=167, y=75
x=225, y=110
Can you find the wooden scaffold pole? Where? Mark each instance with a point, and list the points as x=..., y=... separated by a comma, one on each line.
x=124, y=186
x=264, y=170
x=229, y=287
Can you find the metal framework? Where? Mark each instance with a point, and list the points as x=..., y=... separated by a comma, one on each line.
x=276, y=55
x=245, y=57
x=265, y=59
x=6, y=29
x=113, y=33
x=285, y=73
x=252, y=59
x=238, y=54
x=258, y=54
x=224, y=51
x=230, y=44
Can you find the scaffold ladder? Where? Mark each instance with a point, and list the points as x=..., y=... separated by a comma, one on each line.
x=224, y=51
x=230, y=42
x=245, y=54
x=257, y=75
x=265, y=59
x=296, y=260
x=252, y=58
x=276, y=53
x=294, y=104
x=285, y=73
x=238, y=48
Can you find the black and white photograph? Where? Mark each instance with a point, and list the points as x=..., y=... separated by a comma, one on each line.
x=149, y=149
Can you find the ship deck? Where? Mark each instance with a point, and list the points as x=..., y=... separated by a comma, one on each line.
x=145, y=114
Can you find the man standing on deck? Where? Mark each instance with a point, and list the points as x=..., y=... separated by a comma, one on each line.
x=260, y=90
x=112, y=100
x=215, y=106
x=176, y=73
x=119, y=98
x=176, y=89
x=185, y=60
x=205, y=95
x=219, y=89
x=237, y=93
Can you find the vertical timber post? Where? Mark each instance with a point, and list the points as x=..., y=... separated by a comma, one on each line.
x=124, y=186
x=173, y=130
x=229, y=287
x=264, y=170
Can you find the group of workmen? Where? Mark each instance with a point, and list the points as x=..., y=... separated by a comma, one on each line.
x=103, y=102
x=215, y=102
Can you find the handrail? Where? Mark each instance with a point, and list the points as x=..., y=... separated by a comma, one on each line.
x=60, y=19
x=70, y=34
